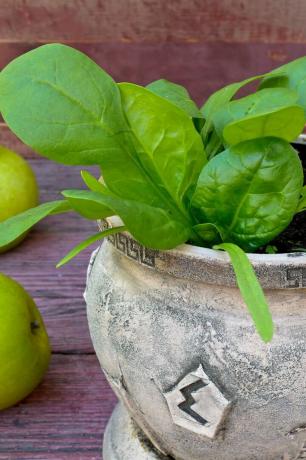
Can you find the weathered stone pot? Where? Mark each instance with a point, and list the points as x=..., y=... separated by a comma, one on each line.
x=179, y=349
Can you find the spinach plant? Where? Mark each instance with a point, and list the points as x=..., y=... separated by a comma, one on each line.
x=224, y=176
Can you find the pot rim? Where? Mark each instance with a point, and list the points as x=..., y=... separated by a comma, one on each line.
x=189, y=250
x=274, y=271
x=294, y=258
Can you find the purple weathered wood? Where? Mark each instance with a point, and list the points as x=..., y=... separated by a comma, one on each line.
x=64, y=418
x=57, y=292
x=153, y=21
x=202, y=44
x=201, y=67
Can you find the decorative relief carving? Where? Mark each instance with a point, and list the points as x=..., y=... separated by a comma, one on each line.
x=121, y=242
x=197, y=405
x=131, y=248
x=302, y=453
x=296, y=277
x=112, y=239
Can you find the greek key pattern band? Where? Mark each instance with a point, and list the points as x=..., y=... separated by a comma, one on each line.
x=132, y=249
x=296, y=277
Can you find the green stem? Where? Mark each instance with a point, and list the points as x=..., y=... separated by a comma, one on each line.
x=84, y=244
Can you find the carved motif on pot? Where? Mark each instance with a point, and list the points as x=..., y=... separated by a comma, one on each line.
x=197, y=405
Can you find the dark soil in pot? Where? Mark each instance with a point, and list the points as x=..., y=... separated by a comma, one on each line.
x=294, y=237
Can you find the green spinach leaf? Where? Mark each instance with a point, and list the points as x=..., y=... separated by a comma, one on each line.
x=77, y=113
x=84, y=202
x=213, y=141
x=220, y=98
x=291, y=75
x=223, y=96
x=250, y=191
x=78, y=117
x=176, y=94
x=16, y=226
x=251, y=290
x=153, y=227
x=286, y=123
x=270, y=112
x=73, y=104
x=88, y=242
x=209, y=233
x=168, y=146
x=92, y=183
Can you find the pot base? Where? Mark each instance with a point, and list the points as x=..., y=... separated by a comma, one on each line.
x=123, y=440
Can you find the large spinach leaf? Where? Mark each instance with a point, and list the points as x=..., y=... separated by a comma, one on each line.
x=77, y=113
x=73, y=104
x=176, y=94
x=155, y=228
x=168, y=146
x=213, y=141
x=291, y=75
x=250, y=191
x=78, y=117
x=269, y=112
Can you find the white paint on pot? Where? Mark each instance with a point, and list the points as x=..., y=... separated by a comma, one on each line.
x=157, y=318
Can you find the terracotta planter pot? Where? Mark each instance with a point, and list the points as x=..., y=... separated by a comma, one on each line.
x=179, y=349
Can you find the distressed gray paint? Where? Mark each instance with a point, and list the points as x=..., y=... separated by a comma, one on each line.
x=124, y=441
x=153, y=325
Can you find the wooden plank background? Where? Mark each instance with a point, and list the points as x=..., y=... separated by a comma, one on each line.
x=154, y=21
x=202, y=44
x=65, y=417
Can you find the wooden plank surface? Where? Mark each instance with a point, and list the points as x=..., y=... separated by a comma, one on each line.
x=201, y=67
x=64, y=419
x=58, y=292
x=153, y=21
x=202, y=44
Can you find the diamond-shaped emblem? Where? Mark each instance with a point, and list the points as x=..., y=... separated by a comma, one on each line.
x=197, y=405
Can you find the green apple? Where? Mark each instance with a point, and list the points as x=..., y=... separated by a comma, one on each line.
x=24, y=344
x=18, y=187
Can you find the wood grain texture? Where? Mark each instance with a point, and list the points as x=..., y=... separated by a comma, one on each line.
x=202, y=44
x=201, y=67
x=64, y=418
x=57, y=292
x=153, y=21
